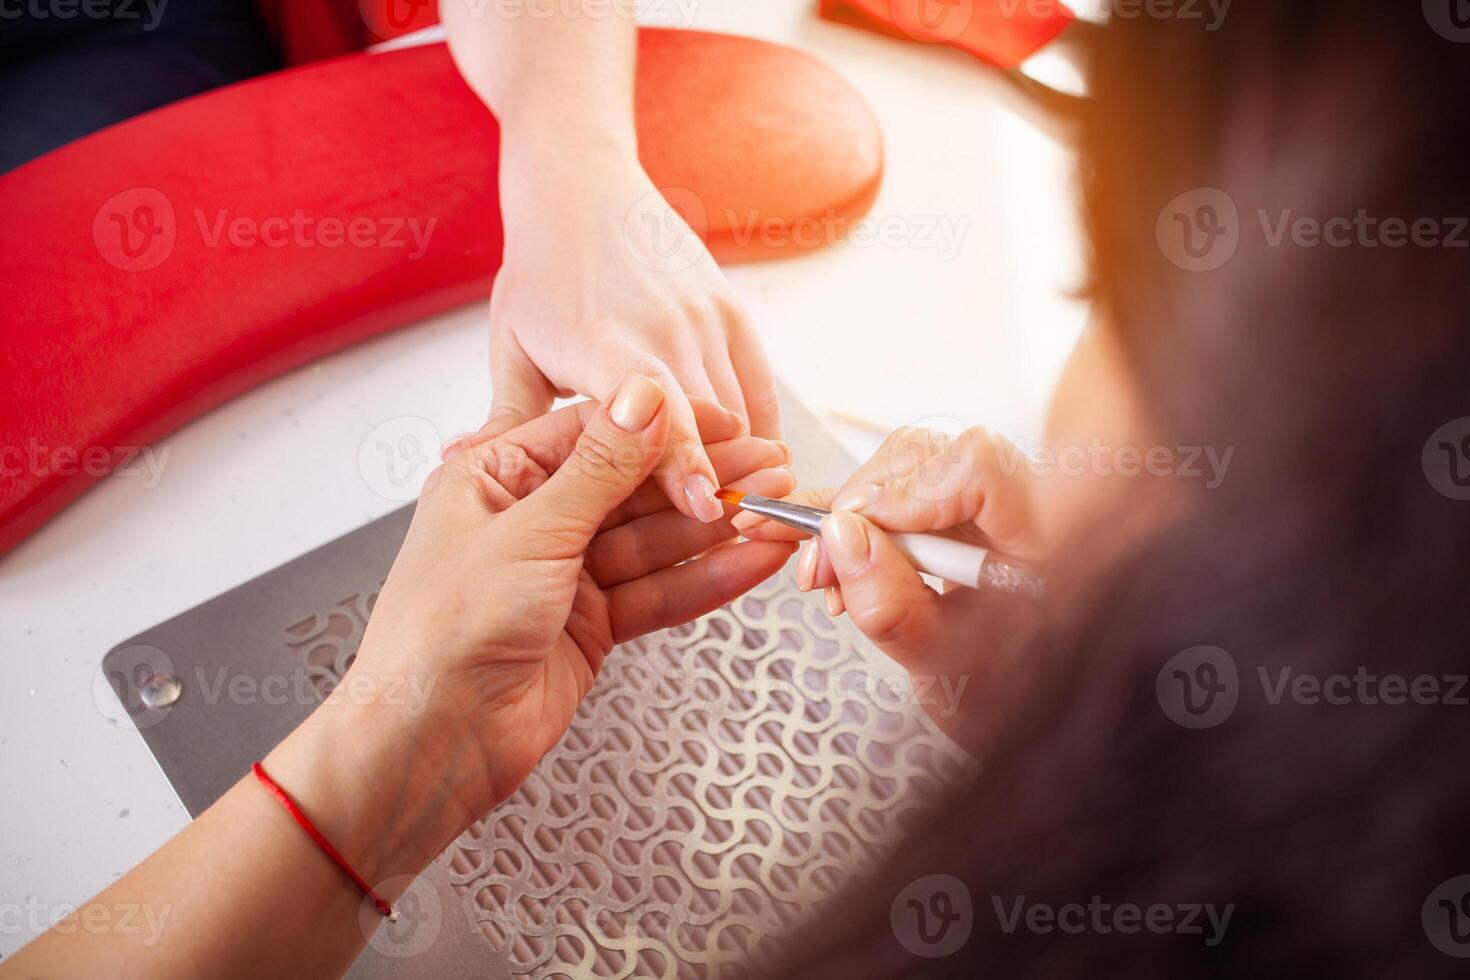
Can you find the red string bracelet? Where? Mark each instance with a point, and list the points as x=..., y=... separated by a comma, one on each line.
x=316, y=835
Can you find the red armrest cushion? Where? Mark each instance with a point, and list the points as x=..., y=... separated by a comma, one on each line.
x=168, y=263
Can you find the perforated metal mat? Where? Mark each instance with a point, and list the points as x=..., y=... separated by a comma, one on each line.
x=718, y=784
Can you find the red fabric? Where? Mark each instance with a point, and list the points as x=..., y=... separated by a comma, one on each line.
x=1003, y=33
x=309, y=30
x=108, y=343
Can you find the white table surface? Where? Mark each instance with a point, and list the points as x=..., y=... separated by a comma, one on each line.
x=891, y=334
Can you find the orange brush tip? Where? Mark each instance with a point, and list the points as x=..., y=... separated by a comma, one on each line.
x=730, y=496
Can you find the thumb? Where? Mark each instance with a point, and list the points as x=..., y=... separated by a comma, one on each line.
x=618, y=449
x=885, y=597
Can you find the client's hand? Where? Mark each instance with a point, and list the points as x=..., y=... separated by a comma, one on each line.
x=975, y=486
x=588, y=292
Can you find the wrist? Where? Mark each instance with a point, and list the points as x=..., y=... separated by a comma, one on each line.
x=379, y=780
x=569, y=180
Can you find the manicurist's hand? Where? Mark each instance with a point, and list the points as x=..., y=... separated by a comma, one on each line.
x=974, y=486
x=529, y=556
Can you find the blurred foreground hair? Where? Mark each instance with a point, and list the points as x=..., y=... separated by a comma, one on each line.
x=1329, y=549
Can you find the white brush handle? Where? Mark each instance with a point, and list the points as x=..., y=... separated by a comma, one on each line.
x=954, y=561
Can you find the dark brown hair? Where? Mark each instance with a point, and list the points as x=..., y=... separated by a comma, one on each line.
x=1335, y=545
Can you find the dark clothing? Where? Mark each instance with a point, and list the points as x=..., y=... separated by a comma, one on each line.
x=70, y=67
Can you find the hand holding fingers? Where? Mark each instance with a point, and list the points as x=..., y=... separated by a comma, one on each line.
x=549, y=437
x=732, y=460
x=616, y=451
x=646, y=544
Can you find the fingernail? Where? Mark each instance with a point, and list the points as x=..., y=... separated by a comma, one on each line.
x=785, y=449
x=453, y=446
x=745, y=520
x=638, y=401
x=806, y=565
x=833, y=595
x=847, y=542
x=701, y=496
x=855, y=497
x=789, y=481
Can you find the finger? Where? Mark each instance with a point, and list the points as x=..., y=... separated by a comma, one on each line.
x=673, y=596
x=618, y=449
x=519, y=393
x=977, y=478
x=548, y=439
x=659, y=540
x=732, y=460
x=757, y=383
x=722, y=378
x=758, y=528
x=685, y=473
x=883, y=594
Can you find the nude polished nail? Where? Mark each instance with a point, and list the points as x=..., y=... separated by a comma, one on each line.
x=637, y=402
x=701, y=496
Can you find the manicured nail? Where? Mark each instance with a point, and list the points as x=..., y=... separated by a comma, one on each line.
x=701, y=496
x=745, y=520
x=453, y=446
x=847, y=542
x=638, y=401
x=806, y=565
x=833, y=596
x=856, y=497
